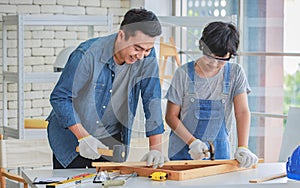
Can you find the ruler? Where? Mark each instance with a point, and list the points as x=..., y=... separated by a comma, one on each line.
x=72, y=182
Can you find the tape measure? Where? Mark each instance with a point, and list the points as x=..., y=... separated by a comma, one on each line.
x=159, y=176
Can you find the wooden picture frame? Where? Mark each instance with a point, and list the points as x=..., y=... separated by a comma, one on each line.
x=176, y=170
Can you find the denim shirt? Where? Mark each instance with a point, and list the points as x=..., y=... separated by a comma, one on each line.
x=84, y=90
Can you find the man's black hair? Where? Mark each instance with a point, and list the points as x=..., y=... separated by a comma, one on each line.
x=219, y=38
x=139, y=19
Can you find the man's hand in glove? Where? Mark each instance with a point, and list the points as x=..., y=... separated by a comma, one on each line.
x=88, y=147
x=156, y=158
x=198, y=149
x=245, y=157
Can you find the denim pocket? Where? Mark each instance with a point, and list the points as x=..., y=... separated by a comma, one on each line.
x=99, y=87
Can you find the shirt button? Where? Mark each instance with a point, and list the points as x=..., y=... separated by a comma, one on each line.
x=112, y=75
x=97, y=122
x=192, y=99
x=223, y=100
x=103, y=106
x=110, y=90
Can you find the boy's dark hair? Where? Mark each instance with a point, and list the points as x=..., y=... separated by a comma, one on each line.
x=219, y=38
x=140, y=20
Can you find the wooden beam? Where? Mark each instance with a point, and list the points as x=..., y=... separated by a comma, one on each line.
x=272, y=177
x=170, y=163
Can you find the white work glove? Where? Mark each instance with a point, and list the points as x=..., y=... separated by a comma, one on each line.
x=156, y=158
x=88, y=147
x=245, y=157
x=198, y=149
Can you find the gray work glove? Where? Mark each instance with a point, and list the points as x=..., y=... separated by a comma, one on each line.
x=88, y=147
x=245, y=157
x=198, y=150
x=156, y=158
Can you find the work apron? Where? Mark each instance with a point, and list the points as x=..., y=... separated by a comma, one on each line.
x=205, y=119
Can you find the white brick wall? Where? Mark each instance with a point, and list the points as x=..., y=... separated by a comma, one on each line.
x=21, y=2
x=4, y=1
x=42, y=34
x=52, y=9
x=12, y=87
x=43, y=43
x=72, y=42
x=12, y=9
x=31, y=61
x=111, y=3
x=40, y=103
x=52, y=43
x=96, y=11
x=67, y=2
x=74, y=10
x=42, y=51
x=65, y=35
x=45, y=2
x=33, y=9
x=32, y=43
x=11, y=44
x=92, y=3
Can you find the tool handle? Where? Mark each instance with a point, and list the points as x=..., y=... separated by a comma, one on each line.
x=113, y=183
x=106, y=152
x=272, y=177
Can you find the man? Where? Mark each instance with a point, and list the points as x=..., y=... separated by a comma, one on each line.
x=95, y=100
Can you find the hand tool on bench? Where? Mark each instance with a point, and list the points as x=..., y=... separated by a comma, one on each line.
x=272, y=177
x=158, y=176
x=118, y=153
x=211, y=151
x=118, y=182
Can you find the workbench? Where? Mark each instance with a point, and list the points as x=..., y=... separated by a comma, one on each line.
x=227, y=180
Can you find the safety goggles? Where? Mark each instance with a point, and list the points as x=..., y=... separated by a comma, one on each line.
x=217, y=58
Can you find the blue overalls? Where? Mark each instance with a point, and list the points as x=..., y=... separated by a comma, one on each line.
x=205, y=119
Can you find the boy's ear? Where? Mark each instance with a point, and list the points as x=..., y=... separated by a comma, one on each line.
x=200, y=45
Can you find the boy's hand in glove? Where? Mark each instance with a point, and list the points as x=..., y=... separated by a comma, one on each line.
x=198, y=149
x=245, y=157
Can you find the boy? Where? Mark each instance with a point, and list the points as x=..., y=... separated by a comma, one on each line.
x=204, y=97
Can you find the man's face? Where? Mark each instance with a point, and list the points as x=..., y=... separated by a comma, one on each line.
x=134, y=48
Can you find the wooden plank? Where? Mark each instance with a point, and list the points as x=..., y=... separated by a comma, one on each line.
x=146, y=172
x=207, y=171
x=170, y=163
x=272, y=177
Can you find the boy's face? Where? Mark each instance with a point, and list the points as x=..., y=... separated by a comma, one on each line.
x=134, y=48
x=217, y=62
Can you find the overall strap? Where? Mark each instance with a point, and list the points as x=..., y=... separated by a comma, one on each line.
x=226, y=82
x=191, y=74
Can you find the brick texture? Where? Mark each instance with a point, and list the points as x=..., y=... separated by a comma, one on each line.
x=43, y=43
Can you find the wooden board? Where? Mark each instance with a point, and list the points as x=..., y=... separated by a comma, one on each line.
x=272, y=177
x=176, y=170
